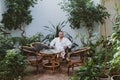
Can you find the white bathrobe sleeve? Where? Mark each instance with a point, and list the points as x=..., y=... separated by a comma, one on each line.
x=53, y=42
x=68, y=42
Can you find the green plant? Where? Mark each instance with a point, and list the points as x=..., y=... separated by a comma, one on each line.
x=117, y=23
x=18, y=14
x=115, y=62
x=8, y=42
x=5, y=43
x=2, y=29
x=100, y=47
x=88, y=72
x=54, y=30
x=27, y=40
x=100, y=53
x=84, y=12
x=12, y=66
x=102, y=50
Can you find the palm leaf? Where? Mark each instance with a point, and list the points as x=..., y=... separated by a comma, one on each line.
x=49, y=29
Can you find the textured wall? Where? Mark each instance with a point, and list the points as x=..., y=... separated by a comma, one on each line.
x=44, y=13
x=106, y=28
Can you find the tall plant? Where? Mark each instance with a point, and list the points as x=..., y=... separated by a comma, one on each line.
x=17, y=14
x=89, y=71
x=99, y=54
x=84, y=12
x=115, y=62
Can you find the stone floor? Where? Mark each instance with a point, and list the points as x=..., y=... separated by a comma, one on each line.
x=46, y=75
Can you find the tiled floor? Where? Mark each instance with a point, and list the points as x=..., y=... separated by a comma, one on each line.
x=46, y=75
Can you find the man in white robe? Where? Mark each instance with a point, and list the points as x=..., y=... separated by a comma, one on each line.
x=61, y=43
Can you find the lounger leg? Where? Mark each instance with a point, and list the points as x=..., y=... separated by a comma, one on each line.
x=68, y=70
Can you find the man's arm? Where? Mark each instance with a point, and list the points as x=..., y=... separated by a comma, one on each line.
x=52, y=44
x=68, y=43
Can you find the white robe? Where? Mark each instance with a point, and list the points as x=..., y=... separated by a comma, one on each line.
x=59, y=45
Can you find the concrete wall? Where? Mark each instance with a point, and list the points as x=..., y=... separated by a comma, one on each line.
x=2, y=8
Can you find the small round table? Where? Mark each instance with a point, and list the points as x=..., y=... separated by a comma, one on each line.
x=53, y=57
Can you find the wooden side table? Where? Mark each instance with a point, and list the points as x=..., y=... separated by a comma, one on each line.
x=53, y=59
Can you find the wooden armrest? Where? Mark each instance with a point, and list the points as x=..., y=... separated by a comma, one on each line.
x=81, y=50
x=68, y=59
x=27, y=49
x=35, y=43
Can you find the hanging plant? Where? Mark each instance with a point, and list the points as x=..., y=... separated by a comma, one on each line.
x=18, y=14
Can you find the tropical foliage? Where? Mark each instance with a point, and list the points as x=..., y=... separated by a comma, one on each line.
x=53, y=32
x=12, y=66
x=84, y=12
x=99, y=54
x=18, y=14
x=88, y=72
x=115, y=62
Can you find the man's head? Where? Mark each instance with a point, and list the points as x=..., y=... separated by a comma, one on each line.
x=61, y=34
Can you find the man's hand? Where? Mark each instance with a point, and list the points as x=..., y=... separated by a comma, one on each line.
x=52, y=47
x=65, y=47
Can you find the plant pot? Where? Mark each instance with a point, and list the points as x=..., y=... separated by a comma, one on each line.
x=113, y=72
x=115, y=77
x=104, y=77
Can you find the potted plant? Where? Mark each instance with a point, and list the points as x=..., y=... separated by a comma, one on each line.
x=115, y=62
x=84, y=13
x=115, y=77
x=115, y=66
x=12, y=66
x=102, y=54
x=87, y=72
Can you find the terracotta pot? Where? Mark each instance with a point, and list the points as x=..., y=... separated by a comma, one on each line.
x=115, y=77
